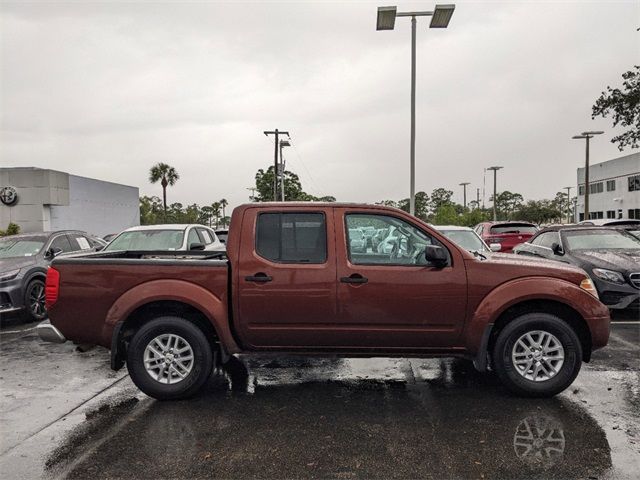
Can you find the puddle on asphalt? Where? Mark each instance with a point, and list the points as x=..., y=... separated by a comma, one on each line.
x=341, y=418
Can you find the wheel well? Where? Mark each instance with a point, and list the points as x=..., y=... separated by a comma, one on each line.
x=561, y=310
x=146, y=312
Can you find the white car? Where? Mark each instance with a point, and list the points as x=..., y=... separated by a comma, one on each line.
x=467, y=238
x=179, y=237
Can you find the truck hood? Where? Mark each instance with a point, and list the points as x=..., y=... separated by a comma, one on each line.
x=530, y=266
x=619, y=260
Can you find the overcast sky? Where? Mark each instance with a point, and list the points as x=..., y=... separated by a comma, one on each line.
x=106, y=90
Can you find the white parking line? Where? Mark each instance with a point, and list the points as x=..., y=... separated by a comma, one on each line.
x=17, y=331
x=630, y=322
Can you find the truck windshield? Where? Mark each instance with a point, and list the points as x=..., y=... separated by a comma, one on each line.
x=21, y=247
x=147, y=240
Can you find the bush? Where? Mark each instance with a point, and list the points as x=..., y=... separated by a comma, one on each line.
x=12, y=229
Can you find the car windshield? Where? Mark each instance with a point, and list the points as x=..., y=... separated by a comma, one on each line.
x=147, y=240
x=21, y=247
x=600, y=240
x=466, y=239
x=635, y=233
x=514, y=228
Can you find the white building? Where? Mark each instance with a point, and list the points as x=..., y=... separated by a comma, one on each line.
x=39, y=200
x=614, y=188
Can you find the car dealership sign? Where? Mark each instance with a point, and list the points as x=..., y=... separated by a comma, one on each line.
x=8, y=195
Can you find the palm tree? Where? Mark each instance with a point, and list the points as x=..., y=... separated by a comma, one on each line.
x=215, y=207
x=166, y=175
x=223, y=204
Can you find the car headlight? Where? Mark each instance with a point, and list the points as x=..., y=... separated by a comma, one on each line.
x=609, y=275
x=10, y=275
x=587, y=285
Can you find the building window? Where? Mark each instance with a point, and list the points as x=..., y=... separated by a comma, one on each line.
x=611, y=186
x=634, y=213
x=581, y=190
x=634, y=183
x=581, y=217
x=596, y=215
x=611, y=214
x=595, y=188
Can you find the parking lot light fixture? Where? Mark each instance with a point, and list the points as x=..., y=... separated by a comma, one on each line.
x=464, y=189
x=386, y=21
x=586, y=135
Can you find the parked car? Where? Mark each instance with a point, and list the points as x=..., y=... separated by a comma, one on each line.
x=506, y=234
x=290, y=283
x=611, y=222
x=166, y=237
x=222, y=235
x=24, y=260
x=610, y=256
x=467, y=238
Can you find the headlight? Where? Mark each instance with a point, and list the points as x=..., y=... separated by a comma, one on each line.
x=10, y=275
x=587, y=286
x=609, y=275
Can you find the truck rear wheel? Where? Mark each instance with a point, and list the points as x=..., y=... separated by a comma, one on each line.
x=537, y=355
x=169, y=358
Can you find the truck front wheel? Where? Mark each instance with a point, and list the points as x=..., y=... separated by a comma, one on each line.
x=169, y=358
x=537, y=355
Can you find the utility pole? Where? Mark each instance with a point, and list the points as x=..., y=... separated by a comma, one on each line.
x=586, y=136
x=568, y=203
x=464, y=188
x=478, y=198
x=495, y=197
x=253, y=193
x=275, y=132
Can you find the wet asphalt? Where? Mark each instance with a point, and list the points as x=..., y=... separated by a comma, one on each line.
x=65, y=414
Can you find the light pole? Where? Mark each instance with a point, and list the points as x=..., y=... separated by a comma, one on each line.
x=440, y=18
x=495, y=171
x=568, y=189
x=586, y=136
x=464, y=189
x=283, y=143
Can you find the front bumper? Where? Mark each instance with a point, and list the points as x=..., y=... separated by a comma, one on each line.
x=11, y=295
x=617, y=297
x=49, y=333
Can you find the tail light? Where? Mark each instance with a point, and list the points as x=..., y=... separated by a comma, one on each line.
x=52, y=287
x=492, y=239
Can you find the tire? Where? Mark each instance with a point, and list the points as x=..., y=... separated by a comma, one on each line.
x=518, y=367
x=34, y=308
x=172, y=332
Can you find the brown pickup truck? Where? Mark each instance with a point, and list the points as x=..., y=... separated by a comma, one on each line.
x=309, y=278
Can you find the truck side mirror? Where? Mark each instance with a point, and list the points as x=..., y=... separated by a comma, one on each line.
x=436, y=255
x=495, y=247
x=196, y=246
x=557, y=249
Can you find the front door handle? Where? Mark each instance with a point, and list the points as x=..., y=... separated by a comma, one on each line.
x=259, y=277
x=354, y=278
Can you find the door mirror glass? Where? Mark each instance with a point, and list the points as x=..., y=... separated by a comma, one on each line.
x=557, y=249
x=53, y=252
x=196, y=246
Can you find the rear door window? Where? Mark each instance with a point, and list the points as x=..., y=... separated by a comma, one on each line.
x=292, y=237
x=61, y=242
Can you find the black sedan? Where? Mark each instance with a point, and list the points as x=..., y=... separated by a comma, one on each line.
x=610, y=256
x=24, y=260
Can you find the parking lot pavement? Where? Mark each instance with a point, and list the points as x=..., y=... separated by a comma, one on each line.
x=64, y=414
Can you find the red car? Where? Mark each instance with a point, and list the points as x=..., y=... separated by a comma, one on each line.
x=506, y=234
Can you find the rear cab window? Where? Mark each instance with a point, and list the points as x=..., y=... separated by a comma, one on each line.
x=289, y=237
x=518, y=228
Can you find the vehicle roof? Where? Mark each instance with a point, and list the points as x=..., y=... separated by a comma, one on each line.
x=46, y=234
x=167, y=226
x=611, y=222
x=452, y=227
x=557, y=228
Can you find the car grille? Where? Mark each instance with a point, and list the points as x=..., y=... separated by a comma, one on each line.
x=635, y=279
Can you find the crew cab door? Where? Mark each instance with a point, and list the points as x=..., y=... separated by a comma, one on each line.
x=390, y=296
x=285, y=285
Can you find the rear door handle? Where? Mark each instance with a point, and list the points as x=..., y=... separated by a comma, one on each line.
x=355, y=278
x=259, y=277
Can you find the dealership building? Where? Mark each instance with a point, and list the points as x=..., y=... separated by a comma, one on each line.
x=614, y=189
x=39, y=200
